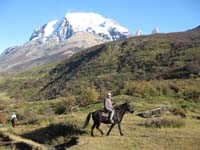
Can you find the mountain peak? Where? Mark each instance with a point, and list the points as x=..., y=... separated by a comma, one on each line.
x=155, y=30
x=75, y=22
x=138, y=32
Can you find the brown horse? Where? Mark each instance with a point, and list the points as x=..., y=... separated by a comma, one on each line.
x=98, y=118
x=14, y=122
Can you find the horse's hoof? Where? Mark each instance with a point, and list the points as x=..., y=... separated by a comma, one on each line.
x=122, y=134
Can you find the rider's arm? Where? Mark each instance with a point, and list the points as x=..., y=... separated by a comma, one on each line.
x=106, y=103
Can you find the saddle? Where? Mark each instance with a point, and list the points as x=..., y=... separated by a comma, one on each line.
x=105, y=114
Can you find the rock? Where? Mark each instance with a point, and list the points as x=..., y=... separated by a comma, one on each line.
x=153, y=112
x=155, y=121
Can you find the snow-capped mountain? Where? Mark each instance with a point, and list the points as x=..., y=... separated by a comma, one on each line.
x=60, y=39
x=73, y=23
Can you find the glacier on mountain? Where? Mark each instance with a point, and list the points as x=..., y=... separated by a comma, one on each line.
x=73, y=23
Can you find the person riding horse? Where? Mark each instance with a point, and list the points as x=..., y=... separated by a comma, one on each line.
x=13, y=119
x=108, y=107
x=98, y=118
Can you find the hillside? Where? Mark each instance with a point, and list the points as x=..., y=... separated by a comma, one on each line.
x=145, y=58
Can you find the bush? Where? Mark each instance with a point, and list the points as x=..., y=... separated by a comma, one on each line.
x=69, y=101
x=164, y=122
x=178, y=112
x=88, y=96
x=192, y=95
x=60, y=109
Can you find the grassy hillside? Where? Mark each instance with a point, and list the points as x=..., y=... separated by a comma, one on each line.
x=147, y=59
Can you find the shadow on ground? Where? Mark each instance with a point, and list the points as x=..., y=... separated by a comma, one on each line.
x=73, y=141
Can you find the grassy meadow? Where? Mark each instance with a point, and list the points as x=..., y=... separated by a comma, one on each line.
x=45, y=128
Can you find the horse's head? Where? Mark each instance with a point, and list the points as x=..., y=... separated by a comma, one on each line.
x=128, y=107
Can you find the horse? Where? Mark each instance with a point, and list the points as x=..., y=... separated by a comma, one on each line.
x=14, y=122
x=99, y=118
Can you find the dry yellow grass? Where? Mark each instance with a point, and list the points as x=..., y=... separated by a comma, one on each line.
x=141, y=138
x=136, y=137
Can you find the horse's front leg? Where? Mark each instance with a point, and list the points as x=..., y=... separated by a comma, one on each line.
x=120, y=130
x=110, y=129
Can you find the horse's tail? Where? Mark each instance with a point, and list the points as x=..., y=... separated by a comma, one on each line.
x=87, y=120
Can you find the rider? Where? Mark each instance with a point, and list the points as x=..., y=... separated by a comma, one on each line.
x=108, y=107
x=13, y=116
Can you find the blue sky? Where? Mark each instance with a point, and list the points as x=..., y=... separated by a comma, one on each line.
x=18, y=18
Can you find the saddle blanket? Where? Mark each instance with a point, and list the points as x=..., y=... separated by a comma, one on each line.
x=105, y=114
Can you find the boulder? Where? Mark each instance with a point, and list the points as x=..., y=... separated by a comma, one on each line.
x=153, y=112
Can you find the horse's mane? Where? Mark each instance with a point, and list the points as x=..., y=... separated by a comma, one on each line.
x=118, y=106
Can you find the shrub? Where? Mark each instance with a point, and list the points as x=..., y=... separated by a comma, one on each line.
x=88, y=96
x=164, y=122
x=65, y=106
x=192, y=95
x=60, y=109
x=179, y=112
x=69, y=100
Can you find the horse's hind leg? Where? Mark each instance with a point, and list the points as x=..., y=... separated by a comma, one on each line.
x=98, y=125
x=93, y=126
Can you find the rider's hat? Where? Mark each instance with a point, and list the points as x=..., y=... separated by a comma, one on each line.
x=109, y=94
